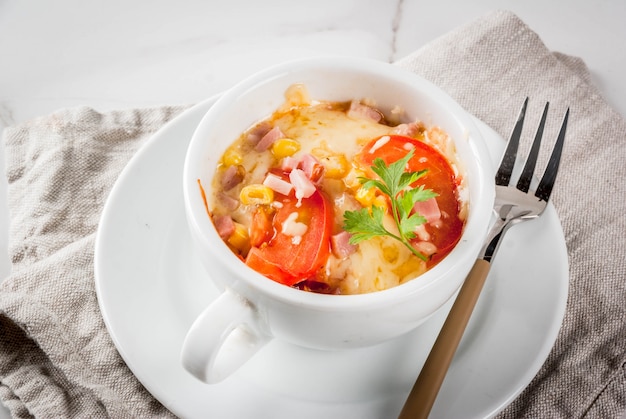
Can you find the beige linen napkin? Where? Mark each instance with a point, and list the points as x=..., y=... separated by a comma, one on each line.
x=488, y=66
x=56, y=357
x=57, y=360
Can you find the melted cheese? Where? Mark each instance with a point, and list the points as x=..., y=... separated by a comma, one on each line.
x=318, y=127
x=325, y=129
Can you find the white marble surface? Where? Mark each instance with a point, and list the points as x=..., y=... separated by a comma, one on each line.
x=121, y=54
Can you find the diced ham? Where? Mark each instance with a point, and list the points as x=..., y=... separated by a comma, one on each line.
x=224, y=225
x=425, y=248
x=429, y=209
x=408, y=130
x=302, y=185
x=309, y=164
x=277, y=184
x=256, y=133
x=421, y=233
x=232, y=176
x=289, y=163
x=227, y=201
x=341, y=246
x=360, y=111
x=311, y=167
x=269, y=138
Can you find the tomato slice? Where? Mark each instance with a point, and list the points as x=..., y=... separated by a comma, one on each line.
x=289, y=259
x=258, y=261
x=440, y=178
x=260, y=227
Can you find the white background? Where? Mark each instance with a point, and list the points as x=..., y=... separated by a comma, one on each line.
x=120, y=54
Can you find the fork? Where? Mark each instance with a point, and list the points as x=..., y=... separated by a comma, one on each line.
x=513, y=205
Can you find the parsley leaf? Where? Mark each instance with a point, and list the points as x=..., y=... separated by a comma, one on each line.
x=395, y=182
x=363, y=224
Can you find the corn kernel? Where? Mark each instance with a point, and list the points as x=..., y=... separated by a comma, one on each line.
x=352, y=179
x=285, y=147
x=240, y=240
x=381, y=202
x=365, y=196
x=256, y=195
x=232, y=157
x=336, y=166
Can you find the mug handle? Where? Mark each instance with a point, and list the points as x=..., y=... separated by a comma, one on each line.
x=223, y=337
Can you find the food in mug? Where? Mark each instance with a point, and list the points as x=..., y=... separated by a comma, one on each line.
x=339, y=197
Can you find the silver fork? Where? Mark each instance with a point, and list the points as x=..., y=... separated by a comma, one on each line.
x=513, y=204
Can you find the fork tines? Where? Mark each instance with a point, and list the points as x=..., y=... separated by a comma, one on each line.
x=503, y=175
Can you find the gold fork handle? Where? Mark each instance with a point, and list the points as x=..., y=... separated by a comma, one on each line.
x=424, y=391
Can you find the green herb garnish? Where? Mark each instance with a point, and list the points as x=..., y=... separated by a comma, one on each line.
x=396, y=183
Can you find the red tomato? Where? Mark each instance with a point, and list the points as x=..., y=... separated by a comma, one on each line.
x=440, y=178
x=258, y=261
x=285, y=260
x=261, y=229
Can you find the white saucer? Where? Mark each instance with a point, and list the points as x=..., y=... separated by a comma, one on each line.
x=151, y=287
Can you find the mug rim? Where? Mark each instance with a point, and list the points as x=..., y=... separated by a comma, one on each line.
x=479, y=213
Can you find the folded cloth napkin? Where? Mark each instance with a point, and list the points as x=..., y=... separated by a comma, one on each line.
x=56, y=357
x=57, y=360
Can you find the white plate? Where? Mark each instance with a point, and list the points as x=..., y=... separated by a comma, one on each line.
x=151, y=287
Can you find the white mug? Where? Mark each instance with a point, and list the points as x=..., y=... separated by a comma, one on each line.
x=253, y=309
